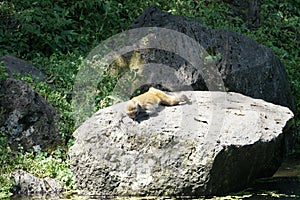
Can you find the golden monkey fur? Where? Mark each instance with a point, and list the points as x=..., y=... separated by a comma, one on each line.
x=150, y=100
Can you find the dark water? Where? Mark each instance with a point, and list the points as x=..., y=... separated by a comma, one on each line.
x=36, y=197
x=283, y=185
x=290, y=167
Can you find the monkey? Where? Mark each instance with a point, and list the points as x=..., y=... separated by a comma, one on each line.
x=120, y=63
x=149, y=101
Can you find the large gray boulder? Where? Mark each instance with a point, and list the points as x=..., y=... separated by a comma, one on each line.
x=218, y=143
x=27, y=119
x=245, y=66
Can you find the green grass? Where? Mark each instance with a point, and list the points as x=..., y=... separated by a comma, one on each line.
x=53, y=165
x=57, y=35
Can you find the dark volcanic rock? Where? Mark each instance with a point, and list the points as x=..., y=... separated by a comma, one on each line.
x=26, y=118
x=245, y=66
x=16, y=65
x=218, y=143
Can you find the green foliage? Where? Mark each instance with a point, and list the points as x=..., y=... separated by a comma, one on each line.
x=104, y=89
x=280, y=30
x=3, y=72
x=6, y=161
x=54, y=165
x=40, y=28
x=61, y=70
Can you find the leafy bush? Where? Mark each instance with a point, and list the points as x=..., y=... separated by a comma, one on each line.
x=280, y=30
x=53, y=165
x=3, y=72
x=61, y=70
x=40, y=28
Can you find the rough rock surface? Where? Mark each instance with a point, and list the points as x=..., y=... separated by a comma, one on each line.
x=246, y=66
x=219, y=142
x=27, y=119
x=16, y=65
x=27, y=183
